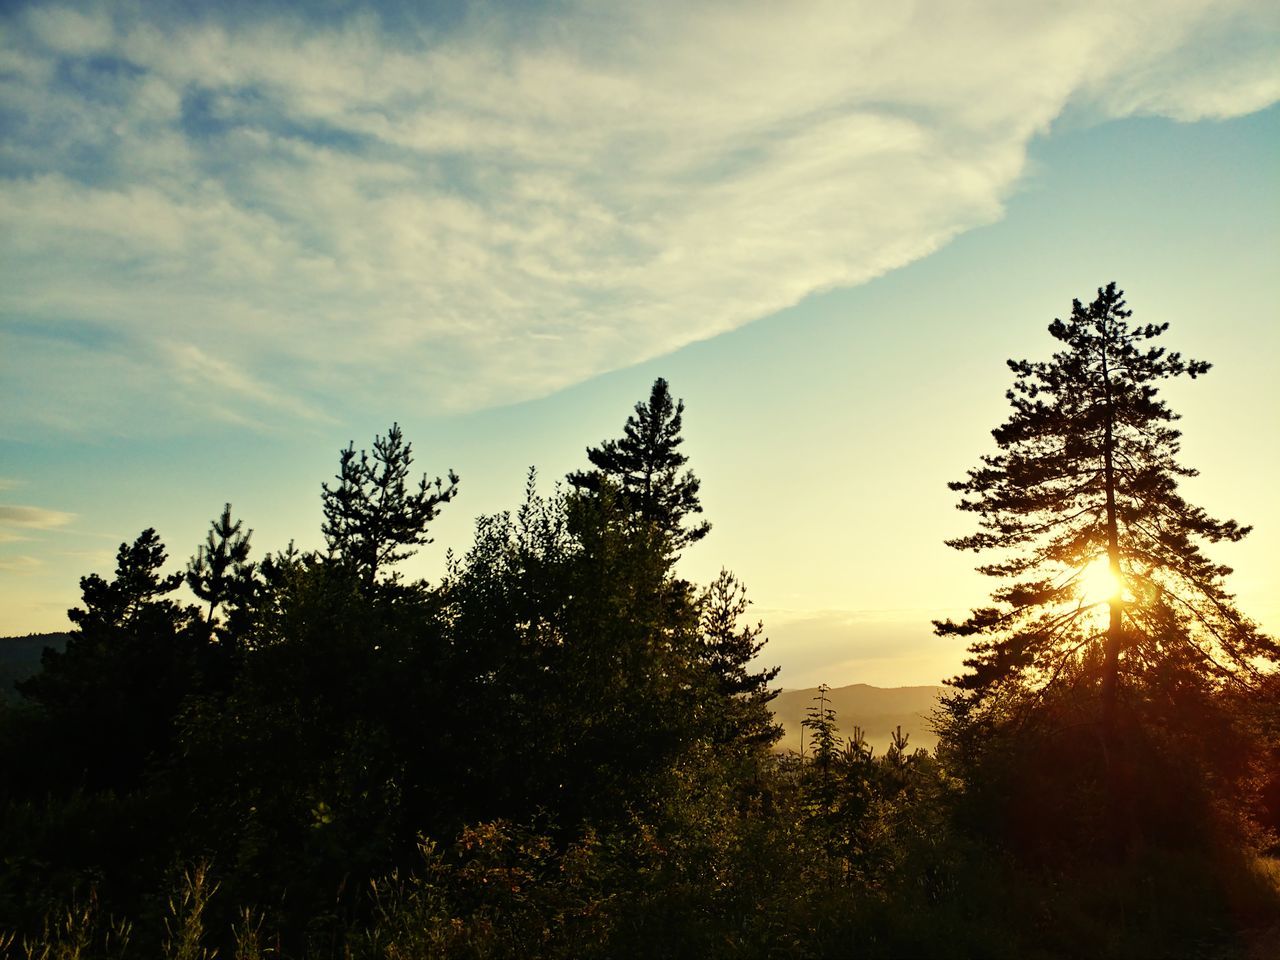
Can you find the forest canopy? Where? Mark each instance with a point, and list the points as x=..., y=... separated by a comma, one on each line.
x=563, y=748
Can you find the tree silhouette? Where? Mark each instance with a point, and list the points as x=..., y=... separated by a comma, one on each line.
x=645, y=465
x=372, y=518
x=220, y=564
x=728, y=650
x=125, y=669
x=1086, y=477
x=135, y=590
x=567, y=637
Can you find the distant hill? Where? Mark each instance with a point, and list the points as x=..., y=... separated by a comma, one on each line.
x=878, y=710
x=20, y=658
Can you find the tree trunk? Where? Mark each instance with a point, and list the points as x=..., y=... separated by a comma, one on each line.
x=1115, y=632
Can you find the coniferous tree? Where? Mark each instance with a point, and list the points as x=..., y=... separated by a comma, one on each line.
x=372, y=518
x=820, y=720
x=645, y=466
x=1110, y=616
x=568, y=639
x=126, y=667
x=221, y=564
x=728, y=650
x=1086, y=480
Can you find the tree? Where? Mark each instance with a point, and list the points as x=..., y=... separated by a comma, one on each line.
x=115, y=689
x=821, y=779
x=221, y=565
x=566, y=638
x=645, y=465
x=1104, y=581
x=372, y=518
x=133, y=594
x=728, y=650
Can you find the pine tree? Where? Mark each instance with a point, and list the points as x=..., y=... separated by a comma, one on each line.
x=114, y=691
x=728, y=650
x=821, y=720
x=822, y=778
x=221, y=564
x=645, y=465
x=1086, y=481
x=372, y=518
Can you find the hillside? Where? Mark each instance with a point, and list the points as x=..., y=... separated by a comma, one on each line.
x=877, y=710
x=20, y=658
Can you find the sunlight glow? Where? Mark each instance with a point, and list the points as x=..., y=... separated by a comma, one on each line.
x=1097, y=584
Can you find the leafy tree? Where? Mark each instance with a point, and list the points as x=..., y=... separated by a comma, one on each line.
x=567, y=637
x=372, y=518
x=220, y=569
x=1105, y=586
x=645, y=466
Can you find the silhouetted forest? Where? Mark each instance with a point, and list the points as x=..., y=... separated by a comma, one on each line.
x=565, y=749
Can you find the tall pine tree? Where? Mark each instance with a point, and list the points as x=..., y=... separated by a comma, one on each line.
x=1100, y=558
x=646, y=465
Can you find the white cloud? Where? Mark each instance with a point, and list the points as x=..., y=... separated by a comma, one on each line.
x=65, y=30
x=478, y=217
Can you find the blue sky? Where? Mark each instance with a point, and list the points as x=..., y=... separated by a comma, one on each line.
x=233, y=242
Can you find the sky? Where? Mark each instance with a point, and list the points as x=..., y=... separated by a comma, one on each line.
x=233, y=241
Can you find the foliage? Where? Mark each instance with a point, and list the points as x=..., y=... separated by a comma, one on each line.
x=563, y=749
x=644, y=465
x=372, y=518
x=1086, y=480
x=220, y=572
x=567, y=638
x=1087, y=472
x=728, y=651
x=113, y=692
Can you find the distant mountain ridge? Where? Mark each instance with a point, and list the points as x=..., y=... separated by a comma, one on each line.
x=20, y=658
x=877, y=710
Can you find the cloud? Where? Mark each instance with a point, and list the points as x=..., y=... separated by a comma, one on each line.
x=279, y=219
x=19, y=564
x=18, y=524
x=214, y=377
x=36, y=518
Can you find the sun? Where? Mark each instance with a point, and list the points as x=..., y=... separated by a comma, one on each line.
x=1097, y=584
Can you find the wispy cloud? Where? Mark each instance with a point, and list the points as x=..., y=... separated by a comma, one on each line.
x=275, y=219
x=36, y=518
x=20, y=564
x=215, y=378
x=25, y=524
